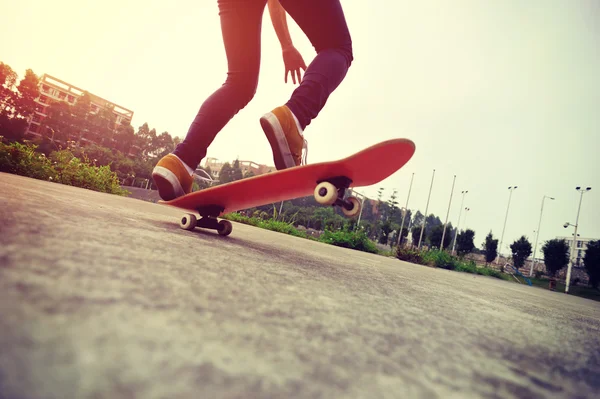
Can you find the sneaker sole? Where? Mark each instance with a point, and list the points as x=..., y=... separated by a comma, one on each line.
x=274, y=132
x=167, y=183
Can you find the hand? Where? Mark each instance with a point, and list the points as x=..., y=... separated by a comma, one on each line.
x=293, y=61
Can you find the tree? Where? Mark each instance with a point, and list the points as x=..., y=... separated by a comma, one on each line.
x=431, y=222
x=385, y=230
x=59, y=122
x=161, y=145
x=464, y=242
x=393, y=205
x=237, y=173
x=28, y=91
x=490, y=247
x=230, y=172
x=418, y=219
x=404, y=234
x=591, y=261
x=415, y=233
x=556, y=255
x=81, y=115
x=124, y=138
x=435, y=237
x=143, y=138
x=8, y=79
x=521, y=249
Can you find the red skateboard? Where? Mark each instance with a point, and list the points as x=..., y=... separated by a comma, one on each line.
x=327, y=181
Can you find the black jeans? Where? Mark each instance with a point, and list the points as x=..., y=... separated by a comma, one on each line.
x=324, y=24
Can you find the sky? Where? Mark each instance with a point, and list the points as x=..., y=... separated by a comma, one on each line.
x=498, y=94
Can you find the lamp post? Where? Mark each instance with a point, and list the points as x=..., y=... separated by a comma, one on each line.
x=466, y=214
x=537, y=235
x=426, y=209
x=362, y=203
x=511, y=189
x=568, y=282
x=405, y=210
x=447, y=213
x=459, y=213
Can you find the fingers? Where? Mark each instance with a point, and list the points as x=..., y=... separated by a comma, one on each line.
x=295, y=74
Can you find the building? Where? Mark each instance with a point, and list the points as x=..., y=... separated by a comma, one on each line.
x=53, y=89
x=246, y=166
x=581, y=246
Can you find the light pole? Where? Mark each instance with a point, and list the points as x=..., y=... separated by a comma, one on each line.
x=466, y=214
x=447, y=213
x=511, y=189
x=426, y=209
x=362, y=203
x=459, y=213
x=405, y=210
x=537, y=235
x=568, y=282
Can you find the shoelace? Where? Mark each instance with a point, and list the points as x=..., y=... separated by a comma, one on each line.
x=304, y=152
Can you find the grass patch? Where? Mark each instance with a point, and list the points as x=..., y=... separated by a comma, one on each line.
x=349, y=239
x=577, y=290
x=444, y=260
x=60, y=167
x=268, y=224
x=357, y=240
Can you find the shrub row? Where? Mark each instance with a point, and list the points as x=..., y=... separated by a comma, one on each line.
x=357, y=240
x=60, y=167
x=443, y=260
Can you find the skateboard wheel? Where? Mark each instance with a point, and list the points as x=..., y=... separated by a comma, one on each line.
x=325, y=193
x=188, y=221
x=354, y=210
x=225, y=228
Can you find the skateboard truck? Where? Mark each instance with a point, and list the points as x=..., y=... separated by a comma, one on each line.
x=331, y=192
x=208, y=220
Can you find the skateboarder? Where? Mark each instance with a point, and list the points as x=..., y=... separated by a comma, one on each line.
x=324, y=23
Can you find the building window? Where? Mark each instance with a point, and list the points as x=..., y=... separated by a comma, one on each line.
x=578, y=244
x=71, y=99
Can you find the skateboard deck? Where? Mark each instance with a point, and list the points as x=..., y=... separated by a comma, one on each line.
x=327, y=181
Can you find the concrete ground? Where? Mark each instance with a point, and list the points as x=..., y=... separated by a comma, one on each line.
x=106, y=297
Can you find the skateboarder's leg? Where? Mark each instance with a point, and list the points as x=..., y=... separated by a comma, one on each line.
x=241, y=30
x=324, y=24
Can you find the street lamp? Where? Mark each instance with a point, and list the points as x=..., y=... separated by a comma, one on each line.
x=466, y=214
x=426, y=210
x=511, y=189
x=405, y=210
x=537, y=235
x=567, y=224
x=459, y=213
x=447, y=213
x=362, y=203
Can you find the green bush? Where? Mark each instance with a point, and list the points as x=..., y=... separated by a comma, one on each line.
x=439, y=259
x=470, y=267
x=23, y=160
x=61, y=167
x=410, y=255
x=74, y=172
x=486, y=271
x=268, y=224
x=349, y=239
